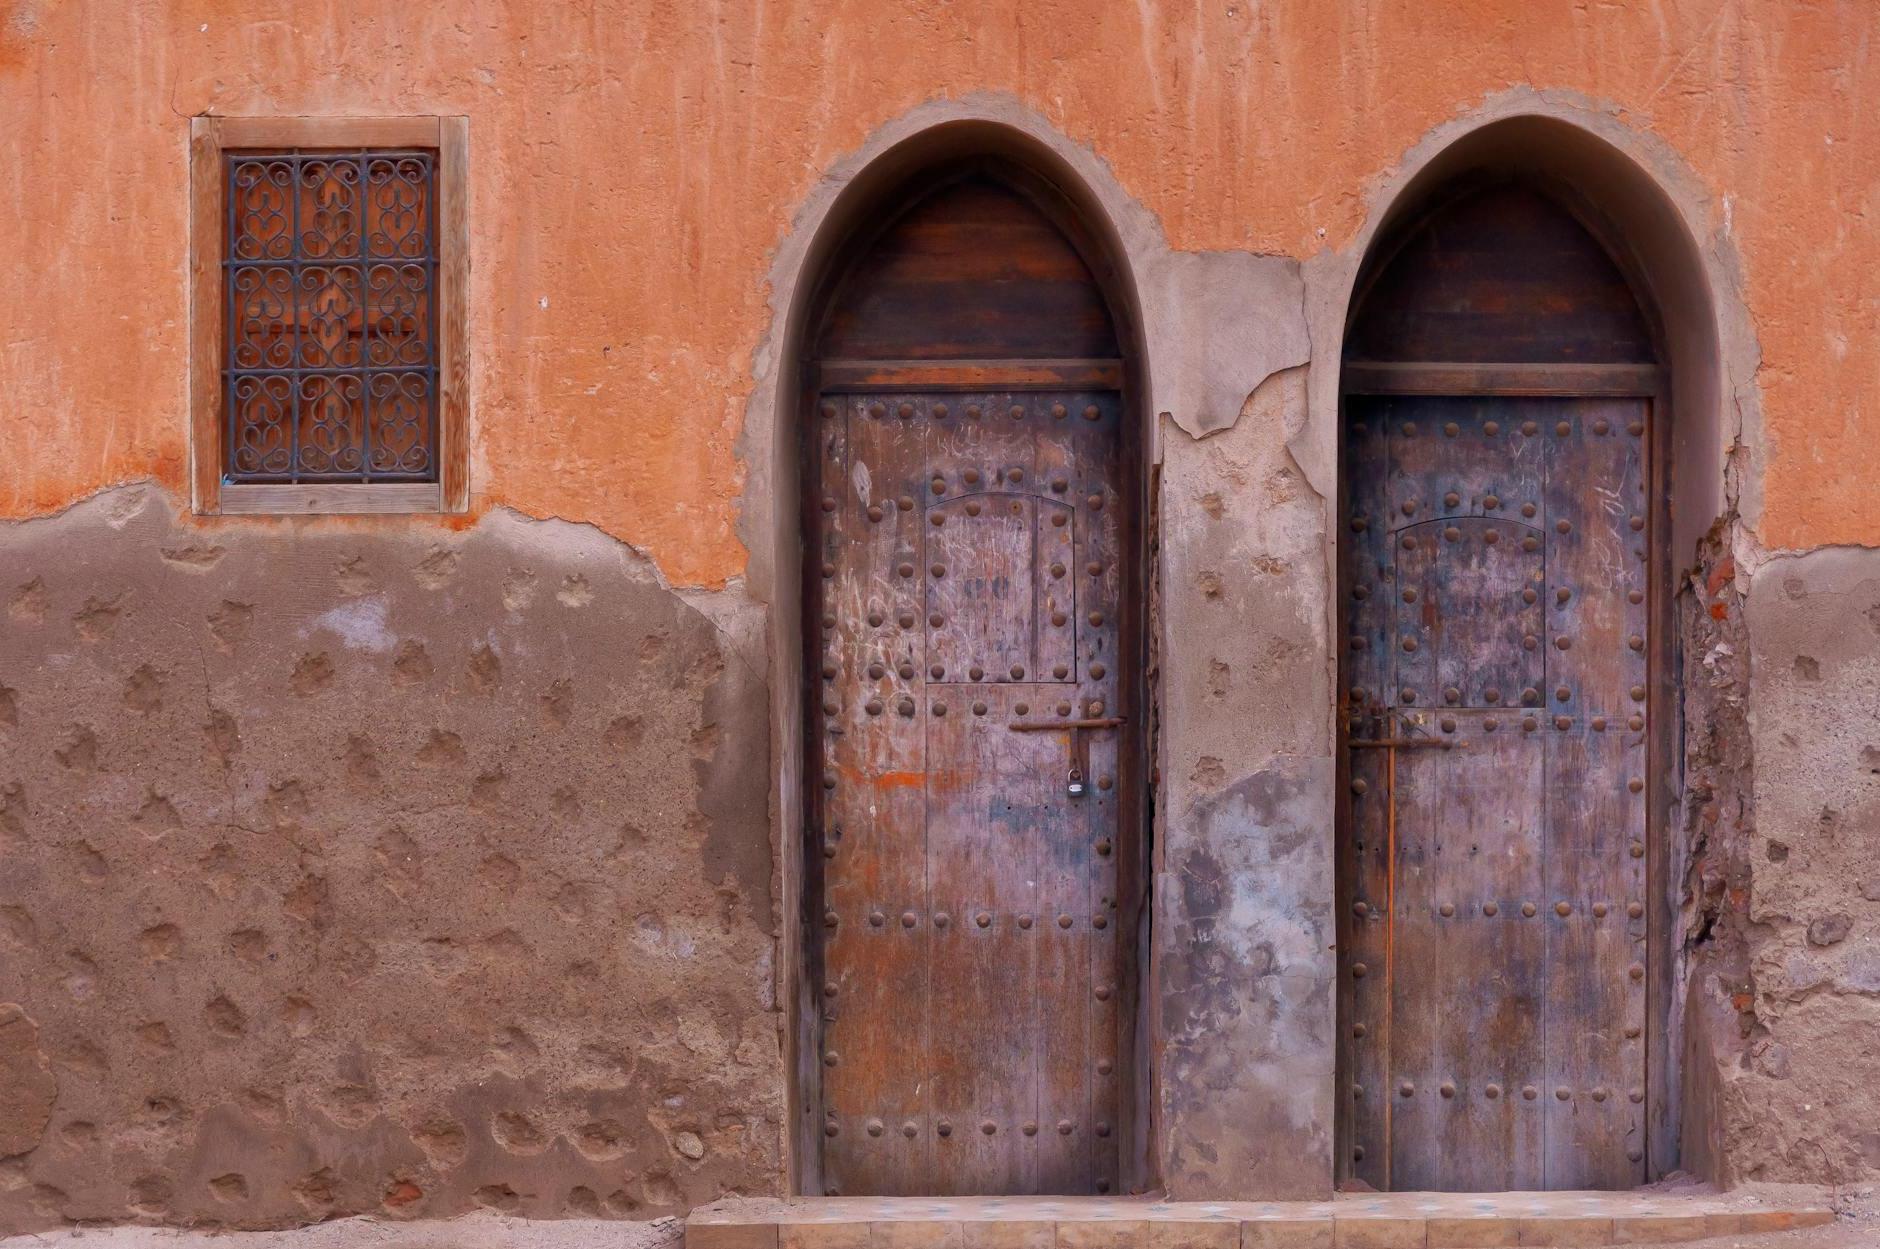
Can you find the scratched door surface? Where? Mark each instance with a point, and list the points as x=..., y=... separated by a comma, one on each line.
x=1493, y=952
x=969, y=550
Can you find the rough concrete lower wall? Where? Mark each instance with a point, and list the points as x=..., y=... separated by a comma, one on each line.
x=1800, y=1095
x=1243, y=934
x=356, y=869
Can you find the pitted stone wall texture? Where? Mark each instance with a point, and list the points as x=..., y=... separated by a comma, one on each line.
x=634, y=165
x=1804, y=1099
x=354, y=871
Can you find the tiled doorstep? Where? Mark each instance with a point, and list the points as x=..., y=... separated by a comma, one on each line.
x=1369, y=1221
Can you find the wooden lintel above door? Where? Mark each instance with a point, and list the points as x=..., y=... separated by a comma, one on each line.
x=1391, y=377
x=898, y=375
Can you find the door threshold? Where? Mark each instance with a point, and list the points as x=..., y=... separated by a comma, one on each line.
x=1347, y=1221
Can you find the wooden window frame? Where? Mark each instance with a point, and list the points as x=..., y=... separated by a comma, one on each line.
x=209, y=138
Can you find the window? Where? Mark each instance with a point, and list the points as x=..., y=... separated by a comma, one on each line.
x=328, y=275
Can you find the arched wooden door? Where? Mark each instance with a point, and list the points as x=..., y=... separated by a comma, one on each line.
x=1497, y=602
x=971, y=651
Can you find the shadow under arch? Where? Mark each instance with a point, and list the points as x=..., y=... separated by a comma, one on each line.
x=1629, y=216
x=1629, y=211
x=878, y=197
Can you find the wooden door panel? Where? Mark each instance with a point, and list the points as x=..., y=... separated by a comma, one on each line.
x=1493, y=844
x=1466, y=1030
x=971, y=582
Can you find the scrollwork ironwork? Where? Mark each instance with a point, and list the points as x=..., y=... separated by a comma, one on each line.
x=330, y=279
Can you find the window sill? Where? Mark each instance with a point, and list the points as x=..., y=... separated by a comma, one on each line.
x=331, y=498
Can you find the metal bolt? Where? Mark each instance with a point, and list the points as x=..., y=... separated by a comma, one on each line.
x=1406, y=1089
x=1492, y=1092
x=1446, y=1089
x=875, y=1127
x=1563, y=909
x=1491, y=428
x=983, y=919
x=1490, y=908
x=908, y=919
x=1527, y=909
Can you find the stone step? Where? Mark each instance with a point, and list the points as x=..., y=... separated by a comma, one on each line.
x=1349, y=1221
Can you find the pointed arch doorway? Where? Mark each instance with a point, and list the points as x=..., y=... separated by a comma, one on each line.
x=972, y=691
x=1501, y=587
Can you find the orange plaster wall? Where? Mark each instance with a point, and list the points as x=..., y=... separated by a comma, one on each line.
x=636, y=162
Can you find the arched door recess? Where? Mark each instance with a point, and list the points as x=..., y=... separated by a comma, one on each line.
x=1501, y=591
x=971, y=684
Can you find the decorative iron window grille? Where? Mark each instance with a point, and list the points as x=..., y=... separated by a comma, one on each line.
x=330, y=280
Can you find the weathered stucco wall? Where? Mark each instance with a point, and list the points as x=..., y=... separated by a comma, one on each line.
x=635, y=163
x=351, y=871
x=408, y=865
